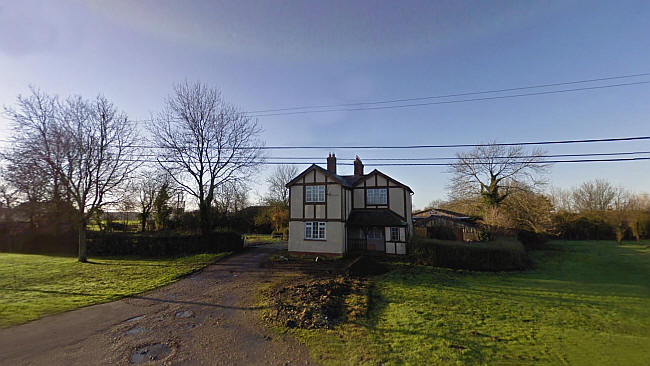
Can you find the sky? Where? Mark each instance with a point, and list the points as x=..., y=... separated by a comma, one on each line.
x=277, y=54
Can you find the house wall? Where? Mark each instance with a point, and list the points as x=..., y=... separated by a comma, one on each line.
x=398, y=200
x=409, y=211
x=348, y=202
x=333, y=212
x=334, y=201
x=336, y=209
x=296, y=197
x=359, y=198
x=331, y=209
x=396, y=247
x=334, y=242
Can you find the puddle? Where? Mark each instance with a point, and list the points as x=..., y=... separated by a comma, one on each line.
x=135, y=318
x=152, y=352
x=184, y=314
x=135, y=330
x=190, y=325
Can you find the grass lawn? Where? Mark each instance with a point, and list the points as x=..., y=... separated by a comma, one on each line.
x=586, y=303
x=35, y=285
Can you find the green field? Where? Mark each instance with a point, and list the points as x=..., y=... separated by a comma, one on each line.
x=35, y=285
x=585, y=303
x=262, y=238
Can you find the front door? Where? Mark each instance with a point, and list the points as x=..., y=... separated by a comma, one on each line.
x=376, y=239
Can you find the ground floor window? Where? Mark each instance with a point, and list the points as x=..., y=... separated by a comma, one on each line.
x=394, y=234
x=314, y=230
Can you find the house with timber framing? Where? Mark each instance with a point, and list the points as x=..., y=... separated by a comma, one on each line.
x=336, y=214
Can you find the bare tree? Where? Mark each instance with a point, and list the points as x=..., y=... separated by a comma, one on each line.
x=561, y=199
x=205, y=143
x=530, y=211
x=231, y=197
x=596, y=195
x=278, y=192
x=26, y=183
x=494, y=171
x=147, y=185
x=83, y=146
x=8, y=195
x=436, y=204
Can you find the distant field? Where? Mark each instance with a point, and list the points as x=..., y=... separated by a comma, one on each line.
x=131, y=224
x=261, y=238
x=35, y=285
x=586, y=303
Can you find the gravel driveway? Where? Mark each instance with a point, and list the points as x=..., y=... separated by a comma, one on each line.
x=209, y=318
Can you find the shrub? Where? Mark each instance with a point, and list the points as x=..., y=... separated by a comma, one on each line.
x=502, y=255
x=532, y=240
x=161, y=244
x=586, y=226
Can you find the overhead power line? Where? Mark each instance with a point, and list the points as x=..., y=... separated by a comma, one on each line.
x=462, y=94
x=455, y=157
x=397, y=147
x=542, y=162
x=449, y=101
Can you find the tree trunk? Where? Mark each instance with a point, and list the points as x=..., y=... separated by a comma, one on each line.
x=206, y=218
x=143, y=221
x=83, y=256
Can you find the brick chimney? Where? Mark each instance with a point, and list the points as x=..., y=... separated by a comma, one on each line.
x=358, y=166
x=331, y=163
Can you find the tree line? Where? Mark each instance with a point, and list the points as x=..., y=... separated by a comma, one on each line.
x=76, y=156
x=506, y=189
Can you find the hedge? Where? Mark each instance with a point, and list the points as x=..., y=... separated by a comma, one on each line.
x=532, y=240
x=161, y=244
x=501, y=255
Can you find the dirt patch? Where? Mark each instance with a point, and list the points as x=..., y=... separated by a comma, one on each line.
x=310, y=303
x=152, y=352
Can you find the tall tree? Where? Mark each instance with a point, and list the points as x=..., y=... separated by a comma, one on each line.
x=85, y=146
x=278, y=192
x=161, y=204
x=205, y=143
x=596, y=195
x=494, y=171
x=530, y=211
x=147, y=186
x=231, y=198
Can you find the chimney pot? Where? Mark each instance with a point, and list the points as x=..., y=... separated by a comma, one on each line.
x=331, y=163
x=358, y=166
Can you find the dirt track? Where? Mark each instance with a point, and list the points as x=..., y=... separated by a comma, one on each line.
x=208, y=318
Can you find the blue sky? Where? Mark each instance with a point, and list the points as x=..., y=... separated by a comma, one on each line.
x=273, y=54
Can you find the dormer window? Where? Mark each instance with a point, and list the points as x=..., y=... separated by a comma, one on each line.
x=314, y=193
x=376, y=196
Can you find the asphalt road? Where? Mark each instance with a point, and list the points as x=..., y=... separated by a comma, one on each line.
x=209, y=318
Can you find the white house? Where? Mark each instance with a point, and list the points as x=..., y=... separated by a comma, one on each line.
x=335, y=214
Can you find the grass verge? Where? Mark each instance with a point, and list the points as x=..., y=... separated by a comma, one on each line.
x=32, y=286
x=585, y=303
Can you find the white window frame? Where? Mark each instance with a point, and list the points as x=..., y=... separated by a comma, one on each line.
x=394, y=237
x=315, y=193
x=315, y=230
x=377, y=196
